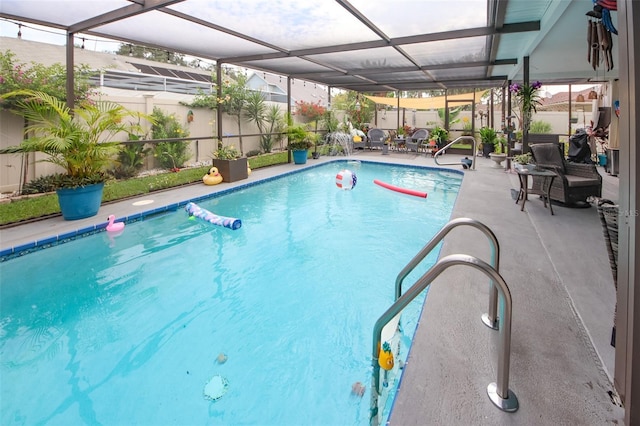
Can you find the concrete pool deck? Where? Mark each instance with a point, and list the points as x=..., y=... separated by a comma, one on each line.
x=558, y=273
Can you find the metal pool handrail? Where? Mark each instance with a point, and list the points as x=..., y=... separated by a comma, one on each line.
x=474, y=151
x=490, y=319
x=498, y=391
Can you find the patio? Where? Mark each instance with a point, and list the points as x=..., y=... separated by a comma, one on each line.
x=563, y=299
x=556, y=265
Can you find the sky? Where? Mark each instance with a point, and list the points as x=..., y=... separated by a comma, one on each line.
x=32, y=32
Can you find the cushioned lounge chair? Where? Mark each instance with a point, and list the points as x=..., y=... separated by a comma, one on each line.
x=376, y=138
x=575, y=182
x=608, y=213
x=416, y=140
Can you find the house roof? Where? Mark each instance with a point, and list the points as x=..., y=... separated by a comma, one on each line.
x=362, y=45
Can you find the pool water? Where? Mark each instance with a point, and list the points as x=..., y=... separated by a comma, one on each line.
x=127, y=330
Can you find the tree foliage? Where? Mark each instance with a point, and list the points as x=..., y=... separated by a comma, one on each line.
x=309, y=111
x=35, y=77
x=155, y=55
x=233, y=100
x=359, y=109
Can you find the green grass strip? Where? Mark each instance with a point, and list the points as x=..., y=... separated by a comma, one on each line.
x=33, y=207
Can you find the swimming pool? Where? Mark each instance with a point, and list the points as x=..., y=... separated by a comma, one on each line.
x=128, y=330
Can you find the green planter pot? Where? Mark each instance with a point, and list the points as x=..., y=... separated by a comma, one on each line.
x=81, y=202
x=300, y=156
x=232, y=170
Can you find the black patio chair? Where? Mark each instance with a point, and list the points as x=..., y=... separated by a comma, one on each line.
x=574, y=183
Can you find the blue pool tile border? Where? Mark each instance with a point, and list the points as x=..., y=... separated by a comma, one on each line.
x=24, y=249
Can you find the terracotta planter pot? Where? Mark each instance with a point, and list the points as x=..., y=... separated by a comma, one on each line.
x=232, y=170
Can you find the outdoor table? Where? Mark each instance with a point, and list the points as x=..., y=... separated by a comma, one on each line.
x=523, y=177
x=401, y=144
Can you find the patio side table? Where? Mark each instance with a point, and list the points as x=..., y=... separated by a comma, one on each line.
x=401, y=144
x=523, y=177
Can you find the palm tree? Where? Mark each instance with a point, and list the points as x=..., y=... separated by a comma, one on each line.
x=79, y=140
x=235, y=100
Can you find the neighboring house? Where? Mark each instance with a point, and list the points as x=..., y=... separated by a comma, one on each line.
x=560, y=101
x=271, y=92
x=116, y=71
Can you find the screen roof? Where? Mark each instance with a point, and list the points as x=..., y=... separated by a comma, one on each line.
x=362, y=45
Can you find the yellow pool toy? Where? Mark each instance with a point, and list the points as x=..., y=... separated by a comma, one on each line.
x=248, y=170
x=213, y=177
x=385, y=358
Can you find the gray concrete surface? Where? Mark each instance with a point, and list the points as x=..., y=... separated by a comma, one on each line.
x=563, y=300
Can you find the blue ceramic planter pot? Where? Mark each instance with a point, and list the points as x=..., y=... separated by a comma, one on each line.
x=81, y=202
x=300, y=156
x=602, y=160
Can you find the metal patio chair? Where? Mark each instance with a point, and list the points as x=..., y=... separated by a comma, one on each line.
x=376, y=138
x=415, y=141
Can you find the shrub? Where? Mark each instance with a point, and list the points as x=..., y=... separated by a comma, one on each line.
x=170, y=154
x=130, y=160
x=41, y=184
x=540, y=127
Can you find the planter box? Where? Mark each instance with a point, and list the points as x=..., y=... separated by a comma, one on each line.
x=232, y=170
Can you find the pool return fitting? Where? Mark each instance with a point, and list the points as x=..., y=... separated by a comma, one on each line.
x=498, y=392
x=474, y=152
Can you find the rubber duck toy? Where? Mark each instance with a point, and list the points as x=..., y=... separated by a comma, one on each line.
x=248, y=170
x=385, y=358
x=213, y=177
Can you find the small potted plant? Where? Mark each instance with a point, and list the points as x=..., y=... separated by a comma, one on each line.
x=439, y=135
x=500, y=145
x=231, y=166
x=79, y=140
x=524, y=161
x=498, y=155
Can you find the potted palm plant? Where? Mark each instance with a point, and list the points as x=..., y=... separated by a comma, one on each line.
x=488, y=136
x=300, y=140
x=79, y=140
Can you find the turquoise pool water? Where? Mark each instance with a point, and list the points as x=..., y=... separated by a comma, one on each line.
x=128, y=330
